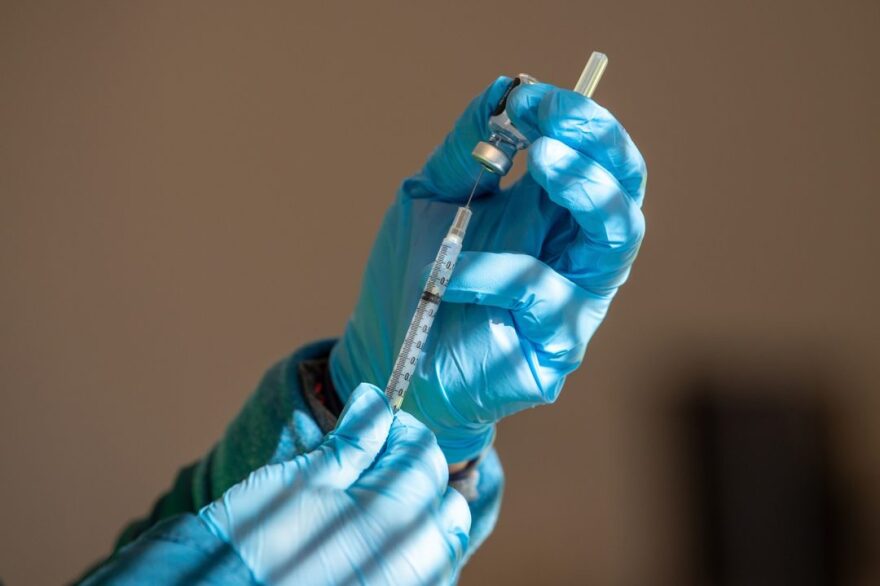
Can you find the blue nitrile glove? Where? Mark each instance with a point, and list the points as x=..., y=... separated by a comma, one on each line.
x=542, y=261
x=350, y=512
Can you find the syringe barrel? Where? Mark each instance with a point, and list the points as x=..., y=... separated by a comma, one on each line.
x=426, y=310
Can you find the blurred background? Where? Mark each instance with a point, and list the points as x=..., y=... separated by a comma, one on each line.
x=188, y=192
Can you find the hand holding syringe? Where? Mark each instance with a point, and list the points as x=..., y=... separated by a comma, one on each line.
x=496, y=156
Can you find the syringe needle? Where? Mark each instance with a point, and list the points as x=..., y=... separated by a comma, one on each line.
x=474, y=190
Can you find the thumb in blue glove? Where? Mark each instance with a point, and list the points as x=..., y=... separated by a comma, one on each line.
x=350, y=512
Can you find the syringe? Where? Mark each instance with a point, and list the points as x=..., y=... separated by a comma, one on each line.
x=496, y=156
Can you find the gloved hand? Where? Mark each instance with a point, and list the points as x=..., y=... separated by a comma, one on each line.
x=350, y=512
x=542, y=261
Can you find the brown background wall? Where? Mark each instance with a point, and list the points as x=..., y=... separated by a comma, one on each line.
x=188, y=191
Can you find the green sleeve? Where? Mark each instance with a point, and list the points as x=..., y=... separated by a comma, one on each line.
x=275, y=424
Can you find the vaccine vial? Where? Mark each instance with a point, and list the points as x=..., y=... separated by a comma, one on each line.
x=495, y=154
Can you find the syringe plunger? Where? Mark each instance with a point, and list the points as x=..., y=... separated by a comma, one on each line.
x=591, y=74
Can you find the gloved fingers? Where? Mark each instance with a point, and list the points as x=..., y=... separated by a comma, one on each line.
x=353, y=445
x=412, y=469
x=611, y=221
x=553, y=313
x=584, y=125
x=455, y=516
x=522, y=107
x=450, y=172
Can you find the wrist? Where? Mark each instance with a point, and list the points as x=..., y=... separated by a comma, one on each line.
x=338, y=366
x=461, y=446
